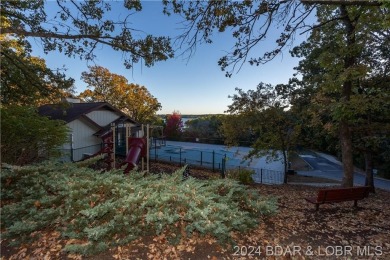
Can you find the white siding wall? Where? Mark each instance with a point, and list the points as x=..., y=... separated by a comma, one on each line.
x=103, y=117
x=83, y=138
x=84, y=142
x=65, y=150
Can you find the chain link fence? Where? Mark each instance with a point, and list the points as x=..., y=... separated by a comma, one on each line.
x=77, y=154
x=264, y=176
x=208, y=159
x=216, y=160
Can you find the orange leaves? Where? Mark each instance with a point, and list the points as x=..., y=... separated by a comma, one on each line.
x=161, y=249
x=21, y=254
x=134, y=100
x=37, y=204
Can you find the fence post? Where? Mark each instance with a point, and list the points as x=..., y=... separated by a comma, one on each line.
x=261, y=175
x=127, y=129
x=180, y=158
x=213, y=160
x=114, y=139
x=155, y=150
x=71, y=148
x=201, y=158
x=223, y=167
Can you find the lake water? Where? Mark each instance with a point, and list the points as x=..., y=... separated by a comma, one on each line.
x=186, y=119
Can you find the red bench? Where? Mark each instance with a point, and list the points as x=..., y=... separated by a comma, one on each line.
x=339, y=195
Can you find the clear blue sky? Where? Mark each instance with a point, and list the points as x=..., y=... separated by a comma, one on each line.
x=194, y=86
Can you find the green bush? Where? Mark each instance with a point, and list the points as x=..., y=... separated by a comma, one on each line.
x=244, y=176
x=27, y=137
x=110, y=209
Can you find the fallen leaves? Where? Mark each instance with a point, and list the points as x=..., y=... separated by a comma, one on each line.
x=21, y=254
x=334, y=225
x=296, y=226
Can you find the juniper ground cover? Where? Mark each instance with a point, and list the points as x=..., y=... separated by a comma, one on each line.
x=98, y=211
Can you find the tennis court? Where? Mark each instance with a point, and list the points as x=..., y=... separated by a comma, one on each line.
x=219, y=157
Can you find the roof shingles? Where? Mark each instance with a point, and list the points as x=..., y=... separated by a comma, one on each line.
x=73, y=111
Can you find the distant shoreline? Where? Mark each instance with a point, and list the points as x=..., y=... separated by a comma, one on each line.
x=191, y=115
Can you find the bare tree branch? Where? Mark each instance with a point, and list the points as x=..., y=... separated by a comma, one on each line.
x=77, y=28
x=344, y=2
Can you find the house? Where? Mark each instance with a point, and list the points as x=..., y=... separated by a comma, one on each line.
x=88, y=122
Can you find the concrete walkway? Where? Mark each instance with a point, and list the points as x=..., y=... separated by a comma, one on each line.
x=327, y=166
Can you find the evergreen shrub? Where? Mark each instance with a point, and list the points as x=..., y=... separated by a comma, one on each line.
x=244, y=176
x=110, y=209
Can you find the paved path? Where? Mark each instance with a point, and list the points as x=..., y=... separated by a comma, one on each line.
x=327, y=166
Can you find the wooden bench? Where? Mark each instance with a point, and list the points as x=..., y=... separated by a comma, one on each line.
x=339, y=195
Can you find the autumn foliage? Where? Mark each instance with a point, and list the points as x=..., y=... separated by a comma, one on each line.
x=133, y=99
x=174, y=125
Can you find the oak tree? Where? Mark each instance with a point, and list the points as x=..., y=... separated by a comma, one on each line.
x=25, y=79
x=79, y=28
x=250, y=23
x=133, y=99
x=74, y=28
x=264, y=113
x=347, y=66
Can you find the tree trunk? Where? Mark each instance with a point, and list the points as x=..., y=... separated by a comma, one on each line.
x=346, y=153
x=285, y=159
x=369, y=171
x=345, y=132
